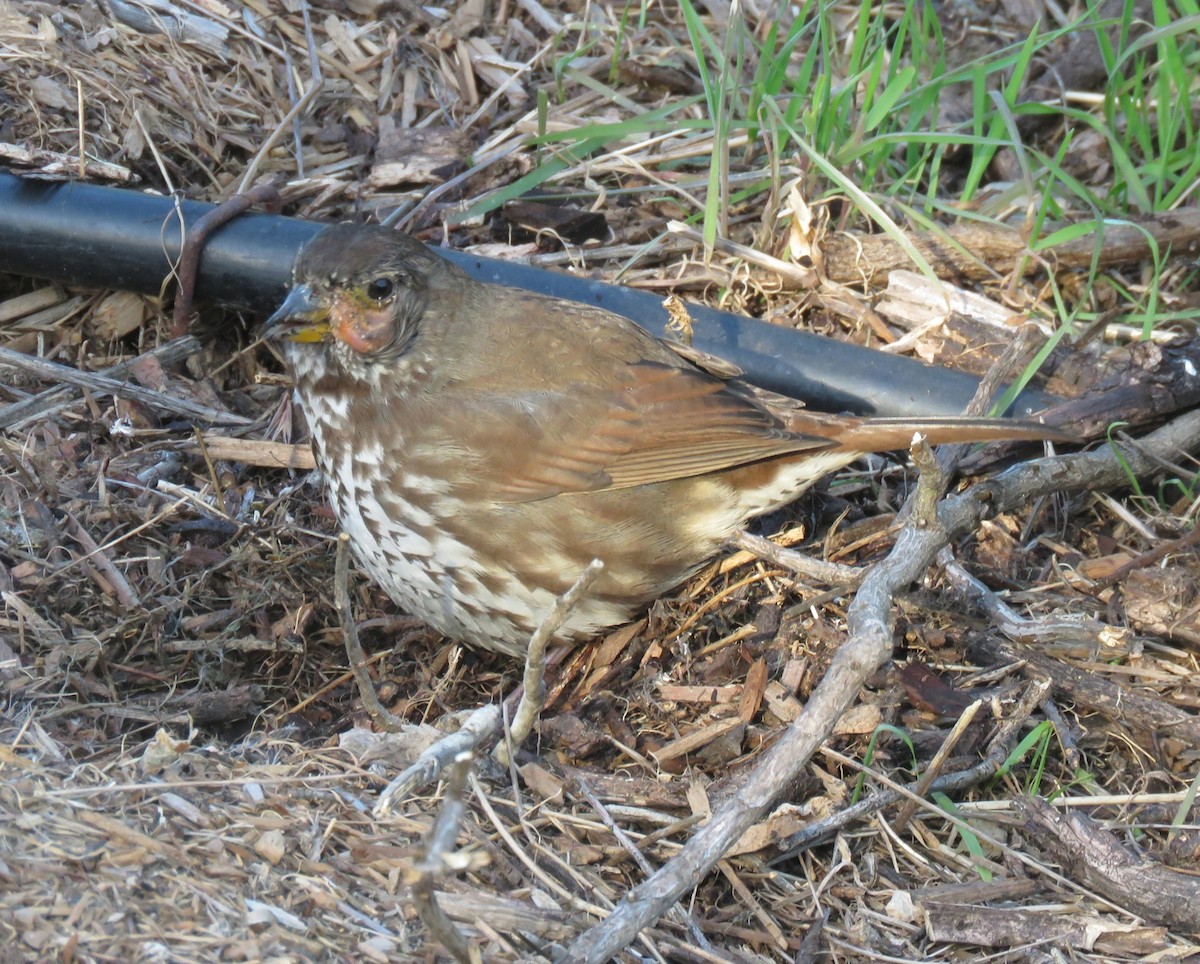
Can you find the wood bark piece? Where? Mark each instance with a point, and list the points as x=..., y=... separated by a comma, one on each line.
x=1157, y=380
x=1004, y=927
x=1091, y=854
x=1139, y=712
x=59, y=165
x=976, y=251
x=505, y=915
x=181, y=25
x=251, y=451
x=228, y=706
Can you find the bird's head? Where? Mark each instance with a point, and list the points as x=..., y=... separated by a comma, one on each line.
x=358, y=295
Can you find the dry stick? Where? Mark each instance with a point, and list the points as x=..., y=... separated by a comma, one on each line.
x=126, y=595
x=829, y=573
x=52, y=399
x=535, y=660
x=55, y=162
x=752, y=903
x=354, y=651
x=788, y=271
x=52, y=371
x=1159, y=894
x=639, y=858
x=289, y=72
x=868, y=648
x=1105, y=641
x=435, y=863
x=977, y=250
x=1087, y=688
x=936, y=764
x=1062, y=730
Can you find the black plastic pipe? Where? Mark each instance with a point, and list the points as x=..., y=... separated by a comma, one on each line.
x=101, y=237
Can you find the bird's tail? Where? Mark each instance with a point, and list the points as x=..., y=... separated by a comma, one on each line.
x=887, y=434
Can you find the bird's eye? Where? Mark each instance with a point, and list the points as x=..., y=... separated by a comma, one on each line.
x=380, y=289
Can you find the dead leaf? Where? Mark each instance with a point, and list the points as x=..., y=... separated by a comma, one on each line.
x=50, y=93
x=787, y=820
x=859, y=720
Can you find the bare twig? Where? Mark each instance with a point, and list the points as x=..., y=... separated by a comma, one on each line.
x=1103, y=640
x=99, y=558
x=55, y=162
x=1094, y=855
x=198, y=232
x=828, y=573
x=795, y=275
x=935, y=765
x=483, y=725
x=53, y=399
x=1133, y=708
x=52, y=371
x=438, y=860
x=560, y=892
x=1062, y=730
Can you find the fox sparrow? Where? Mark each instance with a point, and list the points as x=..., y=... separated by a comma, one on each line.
x=483, y=444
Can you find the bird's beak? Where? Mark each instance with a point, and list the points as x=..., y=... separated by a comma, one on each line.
x=301, y=317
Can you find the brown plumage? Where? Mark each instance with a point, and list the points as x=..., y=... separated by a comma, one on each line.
x=483, y=444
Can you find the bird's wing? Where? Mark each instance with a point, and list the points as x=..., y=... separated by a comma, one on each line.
x=630, y=409
x=659, y=421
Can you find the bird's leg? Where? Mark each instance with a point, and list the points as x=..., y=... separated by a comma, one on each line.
x=354, y=651
x=533, y=681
